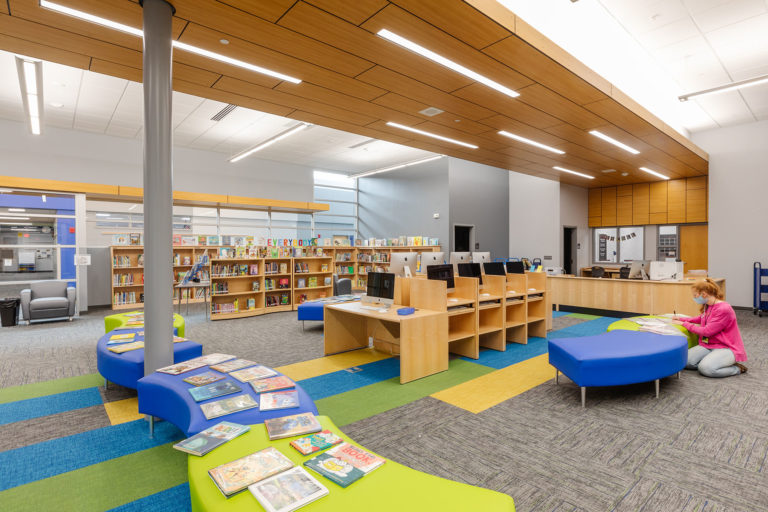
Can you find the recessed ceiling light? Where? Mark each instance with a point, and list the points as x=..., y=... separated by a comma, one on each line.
x=608, y=171
x=531, y=142
x=625, y=174
x=431, y=111
x=657, y=174
x=176, y=44
x=434, y=57
x=394, y=167
x=563, y=169
x=269, y=142
x=16, y=218
x=102, y=215
x=29, y=71
x=433, y=135
x=17, y=209
x=56, y=104
x=614, y=142
x=224, y=41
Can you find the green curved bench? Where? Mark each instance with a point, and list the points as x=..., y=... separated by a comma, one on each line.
x=626, y=324
x=392, y=487
x=112, y=322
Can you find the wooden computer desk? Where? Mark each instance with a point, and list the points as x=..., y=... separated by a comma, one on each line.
x=420, y=338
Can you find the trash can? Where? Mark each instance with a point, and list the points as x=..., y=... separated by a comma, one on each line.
x=9, y=311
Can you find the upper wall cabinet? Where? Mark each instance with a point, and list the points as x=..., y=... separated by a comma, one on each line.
x=660, y=202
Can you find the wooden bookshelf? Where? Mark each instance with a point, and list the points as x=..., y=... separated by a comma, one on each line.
x=237, y=286
x=312, y=278
x=278, y=284
x=127, y=279
x=516, y=309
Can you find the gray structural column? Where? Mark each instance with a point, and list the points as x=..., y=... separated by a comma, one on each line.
x=158, y=186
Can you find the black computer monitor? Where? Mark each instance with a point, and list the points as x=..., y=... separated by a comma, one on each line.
x=471, y=270
x=441, y=273
x=515, y=267
x=494, y=269
x=381, y=288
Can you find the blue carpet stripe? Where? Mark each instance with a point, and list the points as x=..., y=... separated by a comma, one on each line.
x=515, y=353
x=21, y=410
x=588, y=328
x=175, y=499
x=50, y=458
x=334, y=383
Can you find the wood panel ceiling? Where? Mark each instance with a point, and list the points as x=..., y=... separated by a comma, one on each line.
x=356, y=81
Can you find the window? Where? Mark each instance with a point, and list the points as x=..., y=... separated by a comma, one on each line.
x=340, y=192
x=618, y=245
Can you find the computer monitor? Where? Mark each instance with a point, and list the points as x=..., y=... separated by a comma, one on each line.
x=481, y=257
x=638, y=269
x=442, y=273
x=494, y=269
x=459, y=257
x=661, y=270
x=399, y=261
x=471, y=270
x=380, y=289
x=431, y=258
x=515, y=267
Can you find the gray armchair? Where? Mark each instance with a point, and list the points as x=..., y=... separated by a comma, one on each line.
x=48, y=299
x=341, y=286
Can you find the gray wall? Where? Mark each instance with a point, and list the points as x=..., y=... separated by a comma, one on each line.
x=738, y=208
x=534, y=218
x=479, y=196
x=574, y=212
x=403, y=202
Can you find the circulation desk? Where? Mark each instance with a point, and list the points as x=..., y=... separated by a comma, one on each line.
x=420, y=338
x=629, y=295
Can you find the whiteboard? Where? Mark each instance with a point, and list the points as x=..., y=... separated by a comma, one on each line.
x=26, y=257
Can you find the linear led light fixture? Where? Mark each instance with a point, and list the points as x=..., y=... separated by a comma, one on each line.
x=433, y=135
x=176, y=44
x=657, y=174
x=16, y=223
x=269, y=142
x=14, y=218
x=394, y=167
x=727, y=87
x=531, y=142
x=434, y=57
x=563, y=169
x=614, y=142
x=30, y=72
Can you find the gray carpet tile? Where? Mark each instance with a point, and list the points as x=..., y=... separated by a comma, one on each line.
x=561, y=322
x=116, y=392
x=651, y=495
x=37, y=430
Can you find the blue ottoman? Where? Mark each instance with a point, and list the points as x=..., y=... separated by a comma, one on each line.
x=310, y=311
x=127, y=368
x=617, y=358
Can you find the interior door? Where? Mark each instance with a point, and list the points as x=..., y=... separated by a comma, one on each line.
x=694, y=243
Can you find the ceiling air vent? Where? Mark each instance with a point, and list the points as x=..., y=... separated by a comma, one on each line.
x=431, y=111
x=221, y=114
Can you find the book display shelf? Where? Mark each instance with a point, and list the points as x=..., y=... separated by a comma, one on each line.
x=127, y=277
x=312, y=278
x=237, y=286
x=537, y=304
x=373, y=259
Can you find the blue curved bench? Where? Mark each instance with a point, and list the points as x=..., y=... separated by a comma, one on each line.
x=127, y=368
x=167, y=397
x=618, y=358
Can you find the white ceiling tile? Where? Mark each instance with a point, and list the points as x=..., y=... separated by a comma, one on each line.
x=679, y=30
x=729, y=13
x=742, y=45
x=696, y=6
x=726, y=108
x=757, y=99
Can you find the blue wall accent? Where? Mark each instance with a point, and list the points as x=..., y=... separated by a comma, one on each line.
x=68, y=263
x=63, y=205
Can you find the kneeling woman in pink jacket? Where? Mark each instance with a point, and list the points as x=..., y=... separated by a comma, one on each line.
x=720, y=351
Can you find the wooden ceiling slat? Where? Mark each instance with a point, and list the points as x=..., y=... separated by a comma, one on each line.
x=542, y=98
x=453, y=133
x=510, y=107
x=236, y=23
x=4, y=8
x=43, y=52
x=207, y=38
x=221, y=68
x=458, y=18
x=180, y=72
x=405, y=86
x=229, y=97
x=354, y=12
x=510, y=125
x=270, y=10
x=250, y=90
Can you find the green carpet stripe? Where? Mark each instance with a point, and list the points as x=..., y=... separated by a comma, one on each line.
x=583, y=316
x=102, y=486
x=370, y=400
x=50, y=387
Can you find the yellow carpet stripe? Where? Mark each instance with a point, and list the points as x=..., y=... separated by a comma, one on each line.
x=330, y=364
x=123, y=411
x=484, y=392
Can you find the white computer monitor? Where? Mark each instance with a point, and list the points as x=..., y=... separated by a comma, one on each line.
x=661, y=270
x=459, y=257
x=481, y=258
x=399, y=261
x=638, y=269
x=431, y=258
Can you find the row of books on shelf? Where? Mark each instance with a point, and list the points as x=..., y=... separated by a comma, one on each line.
x=189, y=293
x=219, y=287
x=344, y=256
x=273, y=267
x=127, y=279
x=128, y=239
x=312, y=282
x=120, y=298
x=401, y=241
x=345, y=269
x=125, y=261
x=270, y=283
x=233, y=307
x=284, y=299
x=235, y=270
x=179, y=260
x=303, y=267
x=376, y=257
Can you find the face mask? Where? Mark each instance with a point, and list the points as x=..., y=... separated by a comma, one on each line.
x=700, y=300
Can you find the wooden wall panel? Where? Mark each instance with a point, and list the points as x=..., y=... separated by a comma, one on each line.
x=624, y=210
x=640, y=203
x=694, y=243
x=696, y=205
x=658, y=197
x=608, y=204
x=595, y=205
x=676, y=201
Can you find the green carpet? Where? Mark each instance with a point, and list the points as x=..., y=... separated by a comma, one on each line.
x=367, y=401
x=583, y=316
x=50, y=387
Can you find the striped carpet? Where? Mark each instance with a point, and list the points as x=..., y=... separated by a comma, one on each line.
x=498, y=422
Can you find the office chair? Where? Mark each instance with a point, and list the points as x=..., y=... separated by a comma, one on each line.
x=624, y=273
x=536, y=261
x=598, y=272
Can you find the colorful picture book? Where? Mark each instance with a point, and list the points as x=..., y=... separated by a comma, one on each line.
x=213, y=358
x=237, y=475
x=278, y=400
x=231, y=366
x=253, y=373
x=185, y=366
x=211, y=438
x=288, y=491
x=126, y=347
x=228, y=406
x=122, y=337
x=272, y=384
x=335, y=469
x=315, y=442
x=203, y=378
x=361, y=459
x=209, y=391
x=289, y=426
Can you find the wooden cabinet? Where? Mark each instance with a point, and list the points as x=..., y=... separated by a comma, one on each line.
x=608, y=203
x=595, y=207
x=640, y=198
x=676, y=201
x=694, y=247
